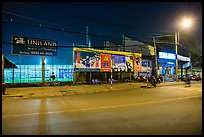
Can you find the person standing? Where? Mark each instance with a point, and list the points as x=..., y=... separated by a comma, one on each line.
x=52, y=76
x=188, y=80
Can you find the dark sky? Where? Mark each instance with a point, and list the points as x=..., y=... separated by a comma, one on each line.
x=134, y=19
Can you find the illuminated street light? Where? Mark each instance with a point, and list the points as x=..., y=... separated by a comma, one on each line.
x=186, y=23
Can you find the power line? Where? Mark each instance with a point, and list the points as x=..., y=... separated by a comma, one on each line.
x=33, y=19
x=62, y=30
x=55, y=29
x=29, y=18
x=62, y=46
x=68, y=31
x=83, y=18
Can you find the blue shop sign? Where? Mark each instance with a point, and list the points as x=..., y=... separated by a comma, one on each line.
x=164, y=55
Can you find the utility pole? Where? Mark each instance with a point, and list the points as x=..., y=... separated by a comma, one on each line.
x=2, y=68
x=155, y=56
x=191, y=67
x=111, y=73
x=87, y=37
x=123, y=39
x=73, y=65
x=176, y=49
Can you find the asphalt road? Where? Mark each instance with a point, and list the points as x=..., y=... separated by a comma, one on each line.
x=148, y=111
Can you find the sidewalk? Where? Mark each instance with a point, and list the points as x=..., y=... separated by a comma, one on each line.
x=35, y=92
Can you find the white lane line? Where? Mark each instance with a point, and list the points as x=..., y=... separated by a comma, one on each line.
x=116, y=106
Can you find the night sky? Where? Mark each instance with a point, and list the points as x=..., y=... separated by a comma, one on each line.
x=137, y=20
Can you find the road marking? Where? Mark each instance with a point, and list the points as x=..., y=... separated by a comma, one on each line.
x=183, y=88
x=107, y=107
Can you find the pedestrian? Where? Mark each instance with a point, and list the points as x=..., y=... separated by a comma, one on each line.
x=52, y=76
x=4, y=88
x=188, y=80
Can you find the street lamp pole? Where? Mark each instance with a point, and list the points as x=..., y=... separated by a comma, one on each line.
x=176, y=50
x=155, y=56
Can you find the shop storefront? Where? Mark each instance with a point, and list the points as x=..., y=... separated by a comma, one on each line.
x=166, y=64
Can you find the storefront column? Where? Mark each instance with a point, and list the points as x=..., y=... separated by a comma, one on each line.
x=74, y=77
x=134, y=75
x=181, y=70
x=105, y=77
x=2, y=68
x=90, y=77
x=119, y=75
x=43, y=69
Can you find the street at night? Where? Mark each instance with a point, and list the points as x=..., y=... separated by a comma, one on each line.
x=102, y=68
x=167, y=110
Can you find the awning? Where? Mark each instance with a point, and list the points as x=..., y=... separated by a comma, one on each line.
x=8, y=64
x=182, y=58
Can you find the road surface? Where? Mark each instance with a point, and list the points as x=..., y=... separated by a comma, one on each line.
x=166, y=110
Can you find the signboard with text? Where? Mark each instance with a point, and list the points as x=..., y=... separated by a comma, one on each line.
x=34, y=46
x=164, y=55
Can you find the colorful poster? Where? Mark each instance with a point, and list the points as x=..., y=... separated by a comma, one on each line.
x=138, y=63
x=86, y=61
x=118, y=63
x=105, y=62
x=90, y=60
x=129, y=64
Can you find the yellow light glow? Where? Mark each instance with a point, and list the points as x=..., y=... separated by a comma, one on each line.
x=186, y=23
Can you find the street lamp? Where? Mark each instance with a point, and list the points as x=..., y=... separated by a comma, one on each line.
x=186, y=23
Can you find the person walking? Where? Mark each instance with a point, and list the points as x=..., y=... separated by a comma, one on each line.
x=188, y=80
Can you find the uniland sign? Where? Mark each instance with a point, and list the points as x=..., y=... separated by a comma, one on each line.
x=34, y=46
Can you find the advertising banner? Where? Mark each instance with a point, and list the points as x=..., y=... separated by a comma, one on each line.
x=138, y=63
x=129, y=64
x=92, y=60
x=105, y=62
x=86, y=61
x=119, y=63
x=34, y=46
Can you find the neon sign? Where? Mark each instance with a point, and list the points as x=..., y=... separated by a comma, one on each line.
x=165, y=55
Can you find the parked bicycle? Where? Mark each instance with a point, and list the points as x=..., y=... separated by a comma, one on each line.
x=54, y=83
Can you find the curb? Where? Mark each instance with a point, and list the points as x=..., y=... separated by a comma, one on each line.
x=12, y=95
x=73, y=92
